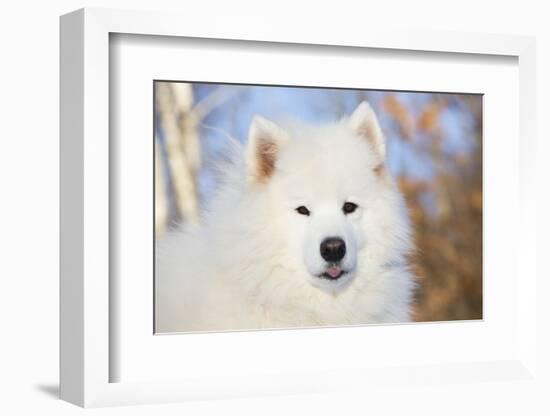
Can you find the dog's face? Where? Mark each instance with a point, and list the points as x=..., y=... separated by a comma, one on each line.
x=326, y=187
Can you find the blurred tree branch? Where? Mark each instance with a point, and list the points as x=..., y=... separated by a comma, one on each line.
x=179, y=118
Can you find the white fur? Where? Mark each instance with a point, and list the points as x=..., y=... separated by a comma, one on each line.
x=255, y=262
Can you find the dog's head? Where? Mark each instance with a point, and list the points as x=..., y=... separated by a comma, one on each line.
x=328, y=189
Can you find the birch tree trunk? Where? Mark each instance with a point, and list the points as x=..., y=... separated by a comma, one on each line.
x=174, y=102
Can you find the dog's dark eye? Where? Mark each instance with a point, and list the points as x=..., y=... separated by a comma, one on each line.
x=302, y=210
x=349, y=207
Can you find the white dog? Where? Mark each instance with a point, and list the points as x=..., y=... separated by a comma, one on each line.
x=309, y=230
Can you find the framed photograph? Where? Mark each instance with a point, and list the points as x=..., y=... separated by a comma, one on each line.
x=370, y=213
x=244, y=215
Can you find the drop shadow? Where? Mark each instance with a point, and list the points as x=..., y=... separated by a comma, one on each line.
x=51, y=390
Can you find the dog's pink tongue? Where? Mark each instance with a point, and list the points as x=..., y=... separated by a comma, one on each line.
x=334, y=271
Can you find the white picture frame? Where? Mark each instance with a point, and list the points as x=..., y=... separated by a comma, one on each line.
x=86, y=356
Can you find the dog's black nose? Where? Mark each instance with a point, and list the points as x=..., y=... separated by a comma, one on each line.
x=333, y=249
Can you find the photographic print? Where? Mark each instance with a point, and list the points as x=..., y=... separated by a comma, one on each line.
x=298, y=207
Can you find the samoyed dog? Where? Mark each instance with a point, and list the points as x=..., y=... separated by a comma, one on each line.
x=308, y=229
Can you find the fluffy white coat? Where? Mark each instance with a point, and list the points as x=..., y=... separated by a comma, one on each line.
x=255, y=262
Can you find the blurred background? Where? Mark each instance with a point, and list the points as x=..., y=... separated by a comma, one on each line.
x=434, y=150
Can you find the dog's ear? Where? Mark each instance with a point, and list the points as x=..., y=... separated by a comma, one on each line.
x=365, y=124
x=265, y=138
